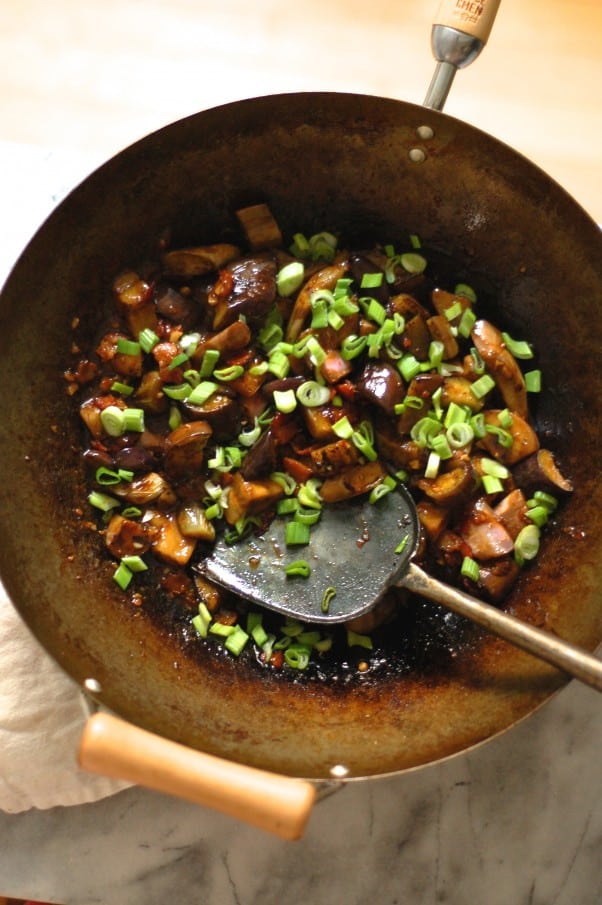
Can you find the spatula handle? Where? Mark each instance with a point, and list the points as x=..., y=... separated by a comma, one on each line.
x=571, y=659
x=278, y=804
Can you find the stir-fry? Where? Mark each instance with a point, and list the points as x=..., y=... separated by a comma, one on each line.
x=232, y=385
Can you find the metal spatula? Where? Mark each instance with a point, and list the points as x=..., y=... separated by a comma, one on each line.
x=356, y=551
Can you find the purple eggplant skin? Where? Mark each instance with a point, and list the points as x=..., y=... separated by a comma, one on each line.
x=261, y=460
x=362, y=265
x=381, y=384
x=253, y=290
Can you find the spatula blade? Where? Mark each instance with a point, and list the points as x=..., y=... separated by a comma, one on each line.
x=351, y=549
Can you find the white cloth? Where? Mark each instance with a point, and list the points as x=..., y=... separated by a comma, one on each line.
x=41, y=720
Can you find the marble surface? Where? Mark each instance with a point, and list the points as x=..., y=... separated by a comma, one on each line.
x=517, y=821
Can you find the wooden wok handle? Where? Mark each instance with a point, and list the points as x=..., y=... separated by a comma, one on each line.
x=571, y=659
x=115, y=748
x=473, y=17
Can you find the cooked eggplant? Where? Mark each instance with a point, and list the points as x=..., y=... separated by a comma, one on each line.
x=230, y=428
x=382, y=385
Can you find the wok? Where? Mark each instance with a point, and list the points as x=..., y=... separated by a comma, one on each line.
x=367, y=168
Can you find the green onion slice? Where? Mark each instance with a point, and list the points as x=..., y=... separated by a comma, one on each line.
x=289, y=278
x=311, y=394
x=327, y=598
x=300, y=568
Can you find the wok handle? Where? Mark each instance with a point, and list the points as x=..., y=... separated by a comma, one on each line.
x=460, y=31
x=567, y=657
x=474, y=19
x=278, y=804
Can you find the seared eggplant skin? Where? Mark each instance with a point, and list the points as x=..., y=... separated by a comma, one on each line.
x=228, y=377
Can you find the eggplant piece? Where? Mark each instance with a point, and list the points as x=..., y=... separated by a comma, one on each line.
x=120, y=363
x=185, y=449
x=440, y=330
x=417, y=338
x=326, y=278
x=261, y=459
x=443, y=300
x=134, y=297
x=126, y=537
x=352, y=482
x=458, y=389
x=433, y=518
x=150, y=395
x=259, y=226
x=211, y=594
x=168, y=543
x=195, y=262
x=502, y=366
x=149, y=488
x=246, y=287
x=382, y=385
x=176, y=307
x=524, y=439
x=234, y=338
x=512, y=512
x=193, y=522
x=361, y=265
x=539, y=471
x=484, y=533
x=333, y=457
x=452, y=486
x=335, y=368
x=250, y=497
x=422, y=387
x=498, y=578
x=221, y=411
x=138, y=459
x=407, y=306
x=405, y=454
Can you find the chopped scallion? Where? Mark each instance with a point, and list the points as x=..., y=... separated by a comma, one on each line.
x=533, y=381
x=311, y=393
x=482, y=386
x=102, y=501
x=327, y=598
x=470, y=568
x=412, y=262
x=127, y=347
x=517, y=347
x=296, y=534
x=356, y=640
x=285, y=401
x=147, y=340
x=526, y=545
x=201, y=393
x=300, y=568
x=289, y=278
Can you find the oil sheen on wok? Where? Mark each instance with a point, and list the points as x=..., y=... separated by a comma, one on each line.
x=279, y=375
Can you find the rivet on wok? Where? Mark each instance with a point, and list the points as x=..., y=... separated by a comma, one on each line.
x=417, y=155
x=339, y=771
x=92, y=686
x=425, y=133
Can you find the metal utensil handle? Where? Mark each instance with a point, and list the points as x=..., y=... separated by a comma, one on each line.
x=572, y=660
x=278, y=804
x=459, y=33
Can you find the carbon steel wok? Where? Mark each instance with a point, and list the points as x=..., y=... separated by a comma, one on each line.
x=321, y=161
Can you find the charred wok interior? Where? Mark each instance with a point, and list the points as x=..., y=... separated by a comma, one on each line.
x=338, y=163
x=232, y=384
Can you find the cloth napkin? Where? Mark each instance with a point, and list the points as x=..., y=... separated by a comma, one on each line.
x=41, y=720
